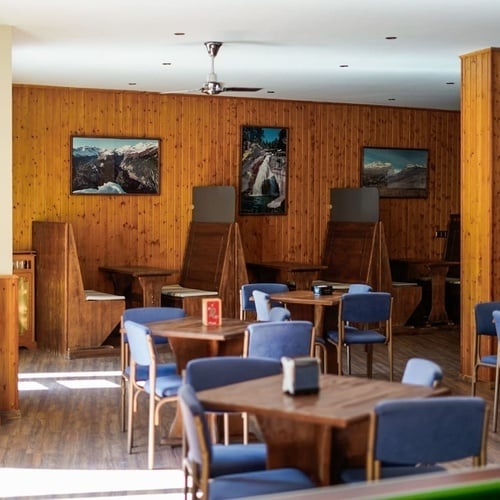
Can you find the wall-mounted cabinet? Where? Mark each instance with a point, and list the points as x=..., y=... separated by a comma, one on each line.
x=24, y=268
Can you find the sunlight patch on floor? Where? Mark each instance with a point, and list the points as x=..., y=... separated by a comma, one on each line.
x=22, y=482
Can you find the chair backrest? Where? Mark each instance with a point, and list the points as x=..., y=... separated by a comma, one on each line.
x=279, y=313
x=262, y=305
x=151, y=314
x=428, y=430
x=496, y=321
x=483, y=313
x=140, y=343
x=246, y=302
x=207, y=373
x=420, y=371
x=195, y=428
x=359, y=288
x=368, y=307
x=275, y=339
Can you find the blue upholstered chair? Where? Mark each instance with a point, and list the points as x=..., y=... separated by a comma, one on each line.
x=143, y=315
x=359, y=288
x=207, y=373
x=275, y=339
x=247, y=303
x=358, y=312
x=266, y=311
x=200, y=456
x=160, y=389
x=486, y=327
x=425, y=431
x=420, y=371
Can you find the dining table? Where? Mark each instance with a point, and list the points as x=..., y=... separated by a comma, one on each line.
x=319, y=433
x=438, y=270
x=189, y=338
x=151, y=280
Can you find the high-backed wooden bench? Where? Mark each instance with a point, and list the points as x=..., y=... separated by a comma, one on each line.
x=70, y=320
x=356, y=252
x=213, y=265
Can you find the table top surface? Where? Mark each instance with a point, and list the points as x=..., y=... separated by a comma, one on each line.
x=341, y=400
x=289, y=266
x=192, y=327
x=138, y=271
x=428, y=262
x=307, y=297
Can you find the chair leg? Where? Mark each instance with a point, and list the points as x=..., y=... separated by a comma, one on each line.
x=151, y=431
x=495, y=402
x=348, y=352
x=123, y=404
x=391, y=370
x=339, y=358
x=369, y=360
x=130, y=416
x=474, y=379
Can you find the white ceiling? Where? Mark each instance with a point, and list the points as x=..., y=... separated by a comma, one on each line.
x=292, y=47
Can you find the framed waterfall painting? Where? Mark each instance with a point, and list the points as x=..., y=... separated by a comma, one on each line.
x=264, y=170
x=115, y=165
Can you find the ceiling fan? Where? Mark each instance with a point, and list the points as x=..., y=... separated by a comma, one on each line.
x=214, y=87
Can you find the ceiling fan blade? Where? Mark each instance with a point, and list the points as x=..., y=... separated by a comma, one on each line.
x=242, y=89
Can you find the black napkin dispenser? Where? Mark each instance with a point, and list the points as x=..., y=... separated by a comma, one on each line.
x=322, y=289
x=300, y=375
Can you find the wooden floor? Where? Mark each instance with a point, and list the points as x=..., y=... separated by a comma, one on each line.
x=68, y=421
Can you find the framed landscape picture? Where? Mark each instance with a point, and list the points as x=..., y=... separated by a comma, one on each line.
x=396, y=172
x=115, y=165
x=264, y=170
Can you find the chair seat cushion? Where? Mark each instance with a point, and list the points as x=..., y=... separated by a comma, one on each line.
x=490, y=359
x=142, y=372
x=165, y=386
x=252, y=484
x=354, y=336
x=237, y=458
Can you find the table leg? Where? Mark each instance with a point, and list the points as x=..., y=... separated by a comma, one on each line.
x=151, y=290
x=297, y=444
x=438, y=312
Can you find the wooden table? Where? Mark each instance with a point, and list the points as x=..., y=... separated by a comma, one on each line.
x=318, y=433
x=189, y=338
x=307, y=297
x=438, y=270
x=151, y=280
x=299, y=274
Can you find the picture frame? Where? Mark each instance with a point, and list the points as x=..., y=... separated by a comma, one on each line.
x=115, y=165
x=396, y=172
x=263, y=170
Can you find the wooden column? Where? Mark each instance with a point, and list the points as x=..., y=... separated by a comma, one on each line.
x=9, y=348
x=480, y=192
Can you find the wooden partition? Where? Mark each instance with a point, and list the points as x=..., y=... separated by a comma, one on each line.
x=213, y=262
x=69, y=319
x=356, y=252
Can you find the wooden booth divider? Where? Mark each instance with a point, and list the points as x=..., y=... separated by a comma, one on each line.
x=70, y=320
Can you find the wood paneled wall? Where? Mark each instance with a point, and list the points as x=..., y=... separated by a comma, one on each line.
x=200, y=145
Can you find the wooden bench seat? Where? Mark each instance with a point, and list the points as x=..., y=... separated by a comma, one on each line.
x=70, y=320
